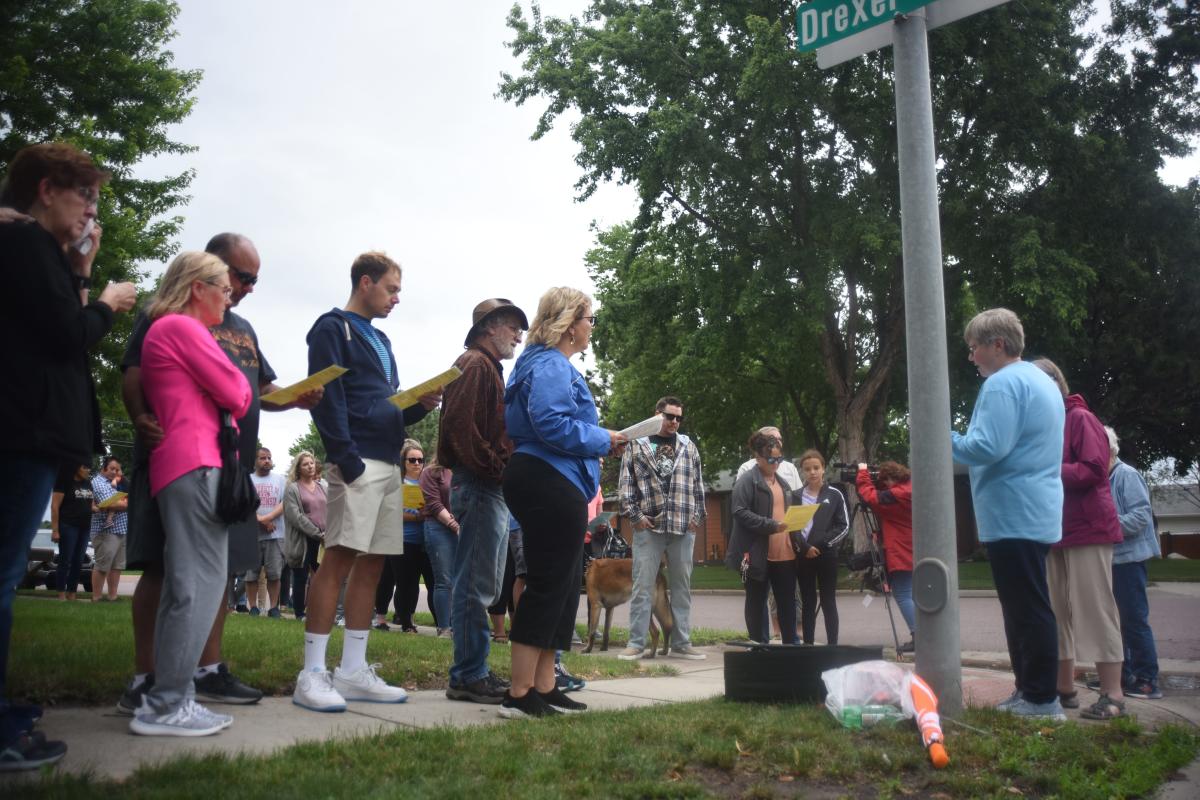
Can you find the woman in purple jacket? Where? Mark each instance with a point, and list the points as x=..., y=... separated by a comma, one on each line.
x=1079, y=568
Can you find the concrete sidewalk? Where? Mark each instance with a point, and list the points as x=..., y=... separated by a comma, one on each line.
x=100, y=741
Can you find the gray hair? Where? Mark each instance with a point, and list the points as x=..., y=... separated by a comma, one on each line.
x=997, y=324
x=1114, y=446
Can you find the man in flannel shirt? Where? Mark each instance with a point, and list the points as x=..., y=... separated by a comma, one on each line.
x=662, y=495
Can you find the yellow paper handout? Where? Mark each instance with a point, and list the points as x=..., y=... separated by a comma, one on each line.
x=288, y=394
x=113, y=499
x=409, y=397
x=798, y=516
x=412, y=497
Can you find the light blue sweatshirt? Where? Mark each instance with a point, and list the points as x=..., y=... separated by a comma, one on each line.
x=1014, y=448
x=549, y=413
x=1132, y=498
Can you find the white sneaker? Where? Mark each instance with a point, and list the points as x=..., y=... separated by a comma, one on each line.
x=191, y=719
x=630, y=654
x=688, y=652
x=364, y=684
x=314, y=691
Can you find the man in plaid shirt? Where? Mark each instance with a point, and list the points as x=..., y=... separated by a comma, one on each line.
x=662, y=495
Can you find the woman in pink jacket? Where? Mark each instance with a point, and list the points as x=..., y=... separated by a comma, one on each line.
x=1079, y=568
x=187, y=380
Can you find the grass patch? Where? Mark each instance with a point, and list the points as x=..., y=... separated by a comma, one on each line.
x=82, y=652
x=713, y=748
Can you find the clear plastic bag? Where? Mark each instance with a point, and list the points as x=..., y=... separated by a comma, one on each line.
x=869, y=692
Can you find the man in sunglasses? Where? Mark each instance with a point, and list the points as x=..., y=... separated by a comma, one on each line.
x=662, y=494
x=144, y=541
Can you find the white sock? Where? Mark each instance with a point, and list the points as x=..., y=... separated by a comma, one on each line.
x=314, y=651
x=354, y=650
x=202, y=671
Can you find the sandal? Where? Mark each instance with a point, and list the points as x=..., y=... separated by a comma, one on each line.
x=500, y=638
x=1069, y=699
x=1104, y=709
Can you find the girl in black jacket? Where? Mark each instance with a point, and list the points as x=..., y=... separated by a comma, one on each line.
x=816, y=565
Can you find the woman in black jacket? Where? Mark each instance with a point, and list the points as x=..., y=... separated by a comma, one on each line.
x=760, y=545
x=816, y=563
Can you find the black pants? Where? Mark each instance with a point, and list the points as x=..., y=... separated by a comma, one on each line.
x=301, y=575
x=553, y=517
x=1019, y=572
x=817, y=574
x=414, y=566
x=781, y=580
x=504, y=604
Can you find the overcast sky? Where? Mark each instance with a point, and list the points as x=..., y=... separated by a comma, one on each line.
x=328, y=129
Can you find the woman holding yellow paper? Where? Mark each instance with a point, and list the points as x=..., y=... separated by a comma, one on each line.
x=816, y=547
x=761, y=546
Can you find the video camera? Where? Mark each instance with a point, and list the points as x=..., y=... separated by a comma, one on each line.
x=849, y=472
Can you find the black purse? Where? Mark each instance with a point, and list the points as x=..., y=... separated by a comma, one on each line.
x=236, y=496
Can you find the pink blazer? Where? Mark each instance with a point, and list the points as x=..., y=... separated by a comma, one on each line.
x=186, y=378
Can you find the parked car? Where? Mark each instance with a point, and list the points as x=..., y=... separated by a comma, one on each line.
x=43, y=563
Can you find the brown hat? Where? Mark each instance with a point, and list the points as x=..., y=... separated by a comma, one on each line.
x=486, y=309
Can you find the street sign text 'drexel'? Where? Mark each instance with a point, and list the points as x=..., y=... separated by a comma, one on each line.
x=824, y=21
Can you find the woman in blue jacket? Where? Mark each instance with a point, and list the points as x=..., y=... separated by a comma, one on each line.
x=553, y=473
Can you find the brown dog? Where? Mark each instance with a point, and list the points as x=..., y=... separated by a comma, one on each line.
x=609, y=584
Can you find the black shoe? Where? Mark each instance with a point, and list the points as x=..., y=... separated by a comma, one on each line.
x=381, y=626
x=30, y=751
x=496, y=680
x=531, y=705
x=557, y=699
x=131, y=699
x=222, y=687
x=907, y=647
x=480, y=691
x=241, y=608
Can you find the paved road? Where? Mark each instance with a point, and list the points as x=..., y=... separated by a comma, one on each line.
x=1174, y=609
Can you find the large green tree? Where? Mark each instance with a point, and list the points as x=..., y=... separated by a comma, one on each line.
x=97, y=74
x=763, y=273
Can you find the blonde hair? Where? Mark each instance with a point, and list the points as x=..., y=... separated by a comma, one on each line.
x=175, y=291
x=293, y=473
x=1050, y=368
x=410, y=445
x=558, y=309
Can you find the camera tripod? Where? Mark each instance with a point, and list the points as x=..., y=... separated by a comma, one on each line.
x=871, y=562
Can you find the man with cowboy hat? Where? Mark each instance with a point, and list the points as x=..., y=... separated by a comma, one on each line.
x=473, y=443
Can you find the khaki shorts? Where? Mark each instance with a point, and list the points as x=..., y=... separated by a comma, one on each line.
x=1080, y=582
x=110, y=551
x=367, y=515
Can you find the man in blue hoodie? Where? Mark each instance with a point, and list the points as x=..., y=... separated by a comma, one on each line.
x=363, y=434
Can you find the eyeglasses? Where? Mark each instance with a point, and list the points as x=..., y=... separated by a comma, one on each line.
x=226, y=290
x=773, y=459
x=591, y=319
x=415, y=460
x=245, y=277
x=90, y=199
x=673, y=417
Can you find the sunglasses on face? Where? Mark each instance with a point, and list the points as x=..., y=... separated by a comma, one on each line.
x=415, y=460
x=673, y=417
x=773, y=459
x=245, y=277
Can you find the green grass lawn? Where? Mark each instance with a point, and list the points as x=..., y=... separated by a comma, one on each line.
x=971, y=574
x=714, y=748
x=82, y=652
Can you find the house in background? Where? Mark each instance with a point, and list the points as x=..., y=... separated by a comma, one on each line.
x=1177, y=508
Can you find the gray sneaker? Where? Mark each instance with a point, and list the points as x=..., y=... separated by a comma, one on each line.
x=631, y=654
x=131, y=698
x=688, y=652
x=1052, y=711
x=1008, y=702
x=192, y=719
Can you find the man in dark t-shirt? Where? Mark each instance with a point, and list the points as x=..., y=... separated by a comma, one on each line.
x=214, y=682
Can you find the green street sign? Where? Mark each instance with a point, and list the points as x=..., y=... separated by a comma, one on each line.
x=824, y=21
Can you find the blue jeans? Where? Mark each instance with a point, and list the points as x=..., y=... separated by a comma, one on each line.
x=25, y=485
x=478, y=505
x=901, y=581
x=648, y=549
x=1141, y=656
x=441, y=544
x=72, y=544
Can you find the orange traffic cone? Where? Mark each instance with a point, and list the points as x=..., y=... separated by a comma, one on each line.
x=928, y=721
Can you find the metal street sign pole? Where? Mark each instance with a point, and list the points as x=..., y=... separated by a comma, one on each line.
x=935, y=570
